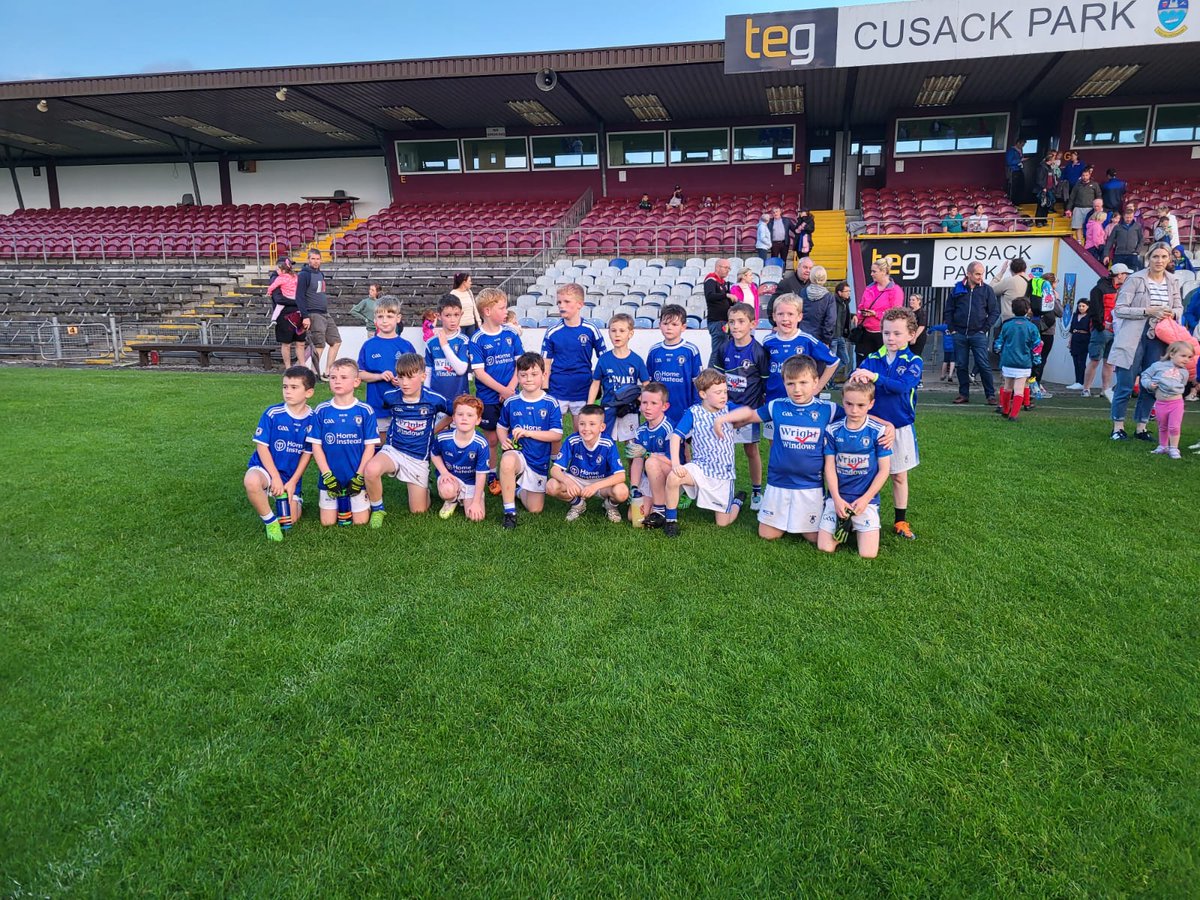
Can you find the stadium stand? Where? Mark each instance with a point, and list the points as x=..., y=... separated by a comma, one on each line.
x=921, y=210
x=1182, y=196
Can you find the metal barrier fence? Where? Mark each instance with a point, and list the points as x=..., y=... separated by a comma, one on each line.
x=919, y=225
x=56, y=341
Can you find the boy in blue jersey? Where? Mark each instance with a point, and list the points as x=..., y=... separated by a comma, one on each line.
x=494, y=350
x=460, y=456
x=377, y=358
x=856, y=466
x=786, y=342
x=617, y=381
x=569, y=348
x=417, y=413
x=710, y=476
x=281, y=451
x=650, y=460
x=747, y=367
x=447, y=356
x=896, y=371
x=530, y=423
x=343, y=439
x=794, y=499
x=675, y=362
x=589, y=465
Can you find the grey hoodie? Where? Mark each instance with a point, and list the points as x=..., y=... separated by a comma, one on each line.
x=820, y=313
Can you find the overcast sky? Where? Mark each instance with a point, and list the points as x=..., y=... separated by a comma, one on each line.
x=81, y=39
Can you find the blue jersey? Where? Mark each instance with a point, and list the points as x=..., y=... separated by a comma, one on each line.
x=570, y=348
x=896, y=387
x=657, y=439
x=582, y=461
x=780, y=351
x=746, y=371
x=285, y=436
x=497, y=355
x=464, y=463
x=442, y=378
x=539, y=414
x=343, y=433
x=856, y=455
x=379, y=354
x=620, y=379
x=712, y=454
x=413, y=421
x=797, y=460
x=676, y=367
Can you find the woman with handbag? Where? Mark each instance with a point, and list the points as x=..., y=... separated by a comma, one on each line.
x=880, y=295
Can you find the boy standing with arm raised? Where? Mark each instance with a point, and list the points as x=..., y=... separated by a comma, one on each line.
x=494, y=350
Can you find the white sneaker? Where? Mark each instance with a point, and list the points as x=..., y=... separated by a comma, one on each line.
x=1173, y=453
x=1046, y=395
x=613, y=511
x=1075, y=387
x=576, y=510
x=1195, y=446
x=1157, y=450
x=1085, y=393
x=755, y=501
x=447, y=509
x=1108, y=394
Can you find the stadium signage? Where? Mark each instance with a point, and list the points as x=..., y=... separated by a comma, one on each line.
x=941, y=262
x=929, y=30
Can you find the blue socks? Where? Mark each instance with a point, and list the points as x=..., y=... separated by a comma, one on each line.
x=672, y=514
x=756, y=489
x=658, y=508
x=510, y=508
x=268, y=519
x=377, y=507
x=737, y=503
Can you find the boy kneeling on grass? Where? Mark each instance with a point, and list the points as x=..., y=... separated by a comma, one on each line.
x=589, y=465
x=281, y=452
x=460, y=456
x=343, y=439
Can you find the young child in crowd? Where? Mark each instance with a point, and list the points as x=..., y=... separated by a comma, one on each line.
x=569, y=348
x=856, y=466
x=617, y=381
x=650, y=459
x=947, y=373
x=512, y=321
x=343, y=439
x=1094, y=235
x=377, y=358
x=747, y=366
x=428, y=324
x=896, y=371
x=675, y=362
x=1168, y=379
x=709, y=478
x=788, y=341
x=1020, y=348
x=364, y=309
x=448, y=354
x=460, y=455
x=281, y=452
x=589, y=465
x=493, y=350
x=530, y=423
x=416, y=413
x=1081, y=336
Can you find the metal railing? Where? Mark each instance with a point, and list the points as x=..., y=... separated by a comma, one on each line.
x=137, y=246
x=556, y=244
x=1007, y=222
x=60, y=342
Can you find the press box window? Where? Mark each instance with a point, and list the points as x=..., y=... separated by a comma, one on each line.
x=1176, y=124
x=495, y=154
x=951, y=134
x=565, y=151
x=418, y=157
x=700, y=147
x=636, y=148
x=1121, y=127
x=775, y=143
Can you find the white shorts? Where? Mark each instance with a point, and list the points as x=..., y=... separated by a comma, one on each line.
x=584, y=482
x=409, y=470
x=358, y=502
x=266, y=479
x=750, y=433
x=574, y=407
x=708, y=492
x=904, y=450
x=868, y=521
x=794, y=510
x=383, y=422
x=1010, y=372
x=527, y=479
x=625, y=428
x=465, y=491
x=768, y=431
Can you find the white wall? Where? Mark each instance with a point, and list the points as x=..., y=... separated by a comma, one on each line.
x=34, y=191
x=152, y=184
x=287, y=180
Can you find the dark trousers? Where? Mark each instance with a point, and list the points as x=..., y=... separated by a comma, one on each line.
x=1130, y=259
x=780, y=248
x=1079, y=357
x=1016, y=187
x=1047, y=343
x=871, y=341
x=973, y=346
x=716, y=331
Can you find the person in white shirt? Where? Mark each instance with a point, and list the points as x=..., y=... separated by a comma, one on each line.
x=979, y=221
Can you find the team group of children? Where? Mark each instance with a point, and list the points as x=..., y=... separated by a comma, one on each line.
x=679, y=423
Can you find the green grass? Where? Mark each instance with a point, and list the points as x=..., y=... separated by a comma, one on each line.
x=1006, y=706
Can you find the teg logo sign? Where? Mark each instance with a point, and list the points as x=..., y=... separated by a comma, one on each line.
x=807, y=38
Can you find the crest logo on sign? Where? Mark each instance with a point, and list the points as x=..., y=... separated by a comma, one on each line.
x=1171, y=14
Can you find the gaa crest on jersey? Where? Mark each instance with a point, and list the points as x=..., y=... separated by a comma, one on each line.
x=423, y=411
x=583, y=340
x=257, y=432
x=814, y=414
x=358, y=420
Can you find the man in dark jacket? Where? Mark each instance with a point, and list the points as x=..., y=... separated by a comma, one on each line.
x=1125, y=242
x=820, y=308
x=1112, y=192
x=971, y=311
x=782, y=230
x=791, y=283
x=716, y=295
x=314, y=307
x=1100, y=306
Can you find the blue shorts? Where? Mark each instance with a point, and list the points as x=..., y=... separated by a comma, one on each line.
x=491, y=415
x=1099, y=343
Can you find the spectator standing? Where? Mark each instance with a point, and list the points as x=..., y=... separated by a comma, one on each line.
x=1125, y=242
x=1102, y=301
x=716, y=296
x=1082, y=194
x=1167, y=227
x=746, y=291
x=820, y=307
x=782, y=229
x=1081, y=335
x=805, y=226
x=289, y=329
x=364, y=310
x=1145, y=299
x=1045, y=180
x=971, y=311
x=792, y=283
x=953, y=222
x=462, y=290
x=842, y=346
x=313, y=303
x=1094, y=237
x=978, y=221
x=1010, y=283
x=1014, y=165
x=1113, y=192
x=917, y=304
x=762, y=237
x=879, y=296
x=1072, y=170
x=1045, y=308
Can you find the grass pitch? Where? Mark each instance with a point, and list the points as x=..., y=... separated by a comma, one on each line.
x=1006, y=706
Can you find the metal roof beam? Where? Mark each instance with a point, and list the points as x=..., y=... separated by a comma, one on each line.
x=135, y=123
